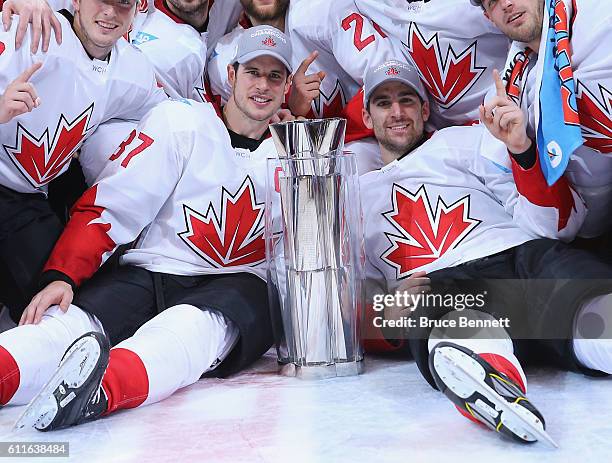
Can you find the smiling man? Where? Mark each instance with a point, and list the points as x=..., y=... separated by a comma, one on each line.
x=586, y=74
x=441, y=217
x=190, y=297
x=51, y=103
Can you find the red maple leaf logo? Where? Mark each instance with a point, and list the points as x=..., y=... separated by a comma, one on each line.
x=595, y=118
x=40, y=159
x=233, y=238
x=328, y=106
x=424, y=234
x=269, y=42
x=447, y=78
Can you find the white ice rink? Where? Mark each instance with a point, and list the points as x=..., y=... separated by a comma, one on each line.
x=388, y=414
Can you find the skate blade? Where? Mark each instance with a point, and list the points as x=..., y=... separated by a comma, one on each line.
x=44, y=402
x=537, y=431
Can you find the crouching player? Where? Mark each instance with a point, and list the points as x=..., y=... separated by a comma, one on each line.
x=189, y=299
x=459, y=212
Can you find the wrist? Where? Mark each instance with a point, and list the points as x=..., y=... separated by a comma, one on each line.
x=521, y=147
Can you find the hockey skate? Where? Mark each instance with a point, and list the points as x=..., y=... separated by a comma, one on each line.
x=74, y=393
x=488, y=395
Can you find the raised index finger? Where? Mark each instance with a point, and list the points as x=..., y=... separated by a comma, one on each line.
x=500, y=88
x=28, y=73
x=307, y=62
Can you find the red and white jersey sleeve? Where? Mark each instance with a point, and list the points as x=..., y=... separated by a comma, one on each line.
x=453, y=46
x=199, y=201
x=590, y=168
x=77, y=94
x=138, y=178
x=445, y=204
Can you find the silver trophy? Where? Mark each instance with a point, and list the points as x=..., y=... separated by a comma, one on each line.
x=315, y=250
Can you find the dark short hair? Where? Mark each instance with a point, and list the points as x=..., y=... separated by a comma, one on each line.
x=236, y=65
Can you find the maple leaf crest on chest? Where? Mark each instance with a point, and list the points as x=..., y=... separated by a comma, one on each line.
x=423, y=234
x=448, y=77
x=41, y=159
x=233, y=236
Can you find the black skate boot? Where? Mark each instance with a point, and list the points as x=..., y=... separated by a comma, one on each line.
x=74, y=394
x=486, y=394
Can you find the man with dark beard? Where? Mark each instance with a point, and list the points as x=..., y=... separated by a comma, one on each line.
x=442, y=221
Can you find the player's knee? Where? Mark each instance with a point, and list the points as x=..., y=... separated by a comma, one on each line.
x=74, y=321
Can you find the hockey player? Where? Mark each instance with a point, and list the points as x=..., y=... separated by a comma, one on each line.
x=190, y=297
x=587, y=75
x=223, y=13
x=453, y=48
x=441, y=216
x=173, y=36
x=51, y=103
x=329, y=57
x=253, y=14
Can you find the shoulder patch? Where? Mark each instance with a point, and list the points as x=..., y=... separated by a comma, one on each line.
x=143, y=37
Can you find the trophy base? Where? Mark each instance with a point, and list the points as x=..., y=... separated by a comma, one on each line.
x=323, y=371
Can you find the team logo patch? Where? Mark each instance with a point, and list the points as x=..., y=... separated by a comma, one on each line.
x=269, y=42
x=143, y=37
x=448, y=78
x=424, y=234
x=392, y=72
x=2, y=47
x=234, y=236
x=41, y=159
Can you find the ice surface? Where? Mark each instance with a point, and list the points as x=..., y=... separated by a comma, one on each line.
x=388, y=414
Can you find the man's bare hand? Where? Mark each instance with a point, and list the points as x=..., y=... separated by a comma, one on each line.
x=305, y=88
x=40, y=15
x=56, y=293
x=417, y=283
x=282, y=115
x=504, y=119
x=20, y=96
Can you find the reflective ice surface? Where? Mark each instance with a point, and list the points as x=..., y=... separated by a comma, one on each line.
x=388, y=414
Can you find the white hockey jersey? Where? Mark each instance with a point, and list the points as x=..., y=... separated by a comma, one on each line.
x=590, y=168
x=444, y=204
x=199, y=201
x=178, y=54
x=77, y=94
x=348, y=43
x=452, y=45
x=175, y=49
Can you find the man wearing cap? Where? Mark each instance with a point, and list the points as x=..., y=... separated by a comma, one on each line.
x=441, y=217
x=190, y=297
x=576, y=49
